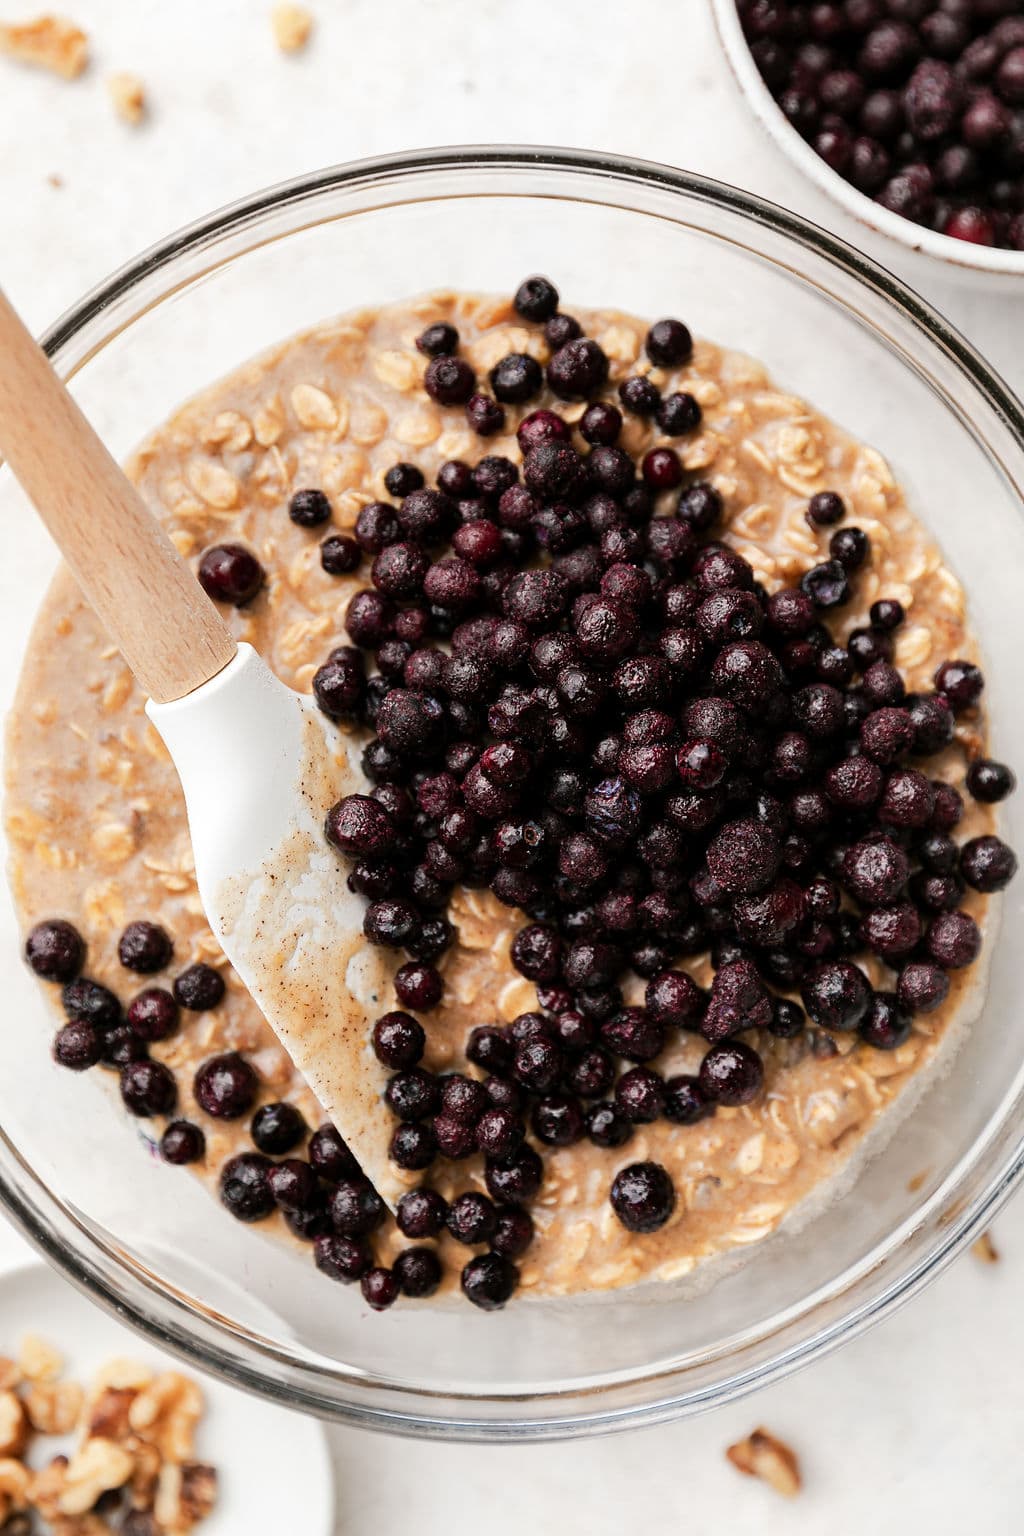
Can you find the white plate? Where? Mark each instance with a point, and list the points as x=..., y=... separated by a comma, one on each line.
x=273, y=1468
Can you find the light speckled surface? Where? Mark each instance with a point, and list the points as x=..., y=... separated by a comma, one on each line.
x=918, y=1421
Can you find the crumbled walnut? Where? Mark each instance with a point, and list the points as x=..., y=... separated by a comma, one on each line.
x=761, y=1455
x=19, y=1524
x=46, y=1486
x=10, y=1373
x=97, y=1467
x=14, y=1425
x=49, y=41
x=166, y=1414
x=14, y=1484
x=38, y=1360
x=292, y=25
x=146, y=1474
x=123, y=1375
x=137, y=1524
x=198, y=1490
x=985, y=1249
x=54, y=1406
x=185, y=1495
x=108, y=1415
x=128, y=94
x=89, y=1524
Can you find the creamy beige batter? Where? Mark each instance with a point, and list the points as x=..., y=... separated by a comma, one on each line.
x=97, y=824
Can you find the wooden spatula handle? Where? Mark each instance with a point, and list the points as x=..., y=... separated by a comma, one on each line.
x=165, y=626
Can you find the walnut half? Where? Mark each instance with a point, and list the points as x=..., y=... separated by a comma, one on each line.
x=762, y=1455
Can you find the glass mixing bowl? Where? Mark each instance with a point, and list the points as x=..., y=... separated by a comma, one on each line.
x=146, y=1240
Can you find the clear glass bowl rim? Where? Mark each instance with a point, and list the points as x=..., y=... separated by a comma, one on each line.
x=895, y=1271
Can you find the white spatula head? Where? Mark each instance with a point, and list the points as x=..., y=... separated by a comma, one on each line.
x=259, y=766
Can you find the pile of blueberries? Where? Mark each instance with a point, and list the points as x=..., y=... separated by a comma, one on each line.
x=918, y=103
x=323, y=1197
x=99, y=1031
x=584, y=702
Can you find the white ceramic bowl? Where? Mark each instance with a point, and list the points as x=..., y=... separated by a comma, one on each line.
x=1000, y=268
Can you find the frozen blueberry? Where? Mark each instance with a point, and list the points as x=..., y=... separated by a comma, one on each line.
x=225, y=1086
x=421, y=1213
x=277, y=1128
x=536, y=299
x=417, y=1271
x=77, y=1045
x=153, y=1014
x=438, y=340
x=449, y=380
x=230, y=573
x=685, y=1101
x=987, y=864
x=489, y=1280
x=922, y=987
x=199, y=988
x=148, y=1088
x=329, y=1156
x=643, y=1197
x=886, y=1024
x=669, y=344
x=731, y=1073
x=341, y=1258
x=836, y=994
x=398, y=1040
x=309, y=508
x=514, y=1180
x=245, y=1187
x=990, y=781
x=953, y=940
x=144, y=947
x=825, y=509
x=182, y=1142
x=355, y=1207
x=55, y=950
x=380, y=1288
x=516, y=378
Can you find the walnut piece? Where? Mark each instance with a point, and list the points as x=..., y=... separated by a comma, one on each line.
x=14, y=1425
x=14, y=1484
x=54, y=1406
x=19, y=1524
x=95, y=1469
x=145, y=1476
x=166, y=1414
x=38, y=1359
x=985, y=1249
x=81, y=1525
x=46, y=1486
x=128, y=94
x=762, y=1455
x=292, y=25
x=122, y=1374
x=108, y=1416
x=198, y=1490
x=51, y=42
x=186, y=1495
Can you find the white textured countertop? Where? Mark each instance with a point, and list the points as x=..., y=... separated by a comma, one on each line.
x=921, y=1420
